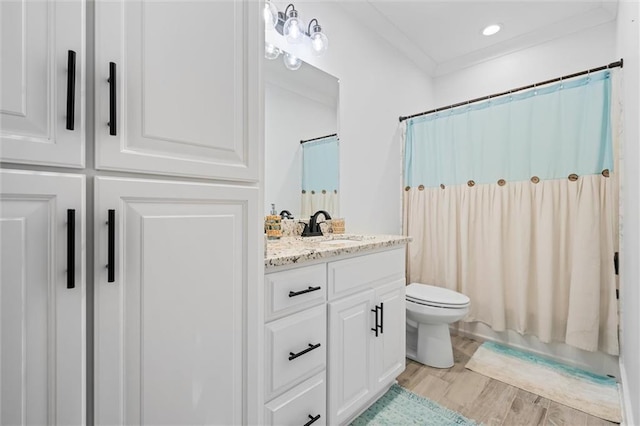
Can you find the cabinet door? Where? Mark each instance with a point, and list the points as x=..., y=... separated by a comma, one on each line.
x=186, y=97
x=42, y=328
x=35, y=38
x=390, y=345
x=170, y=329
x=350, y=355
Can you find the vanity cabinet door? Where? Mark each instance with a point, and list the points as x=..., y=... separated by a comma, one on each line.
x=177, y=87
x=38, y=85
x=42, y=299
x=390, y=343
x=171, y=286
x=350, y=355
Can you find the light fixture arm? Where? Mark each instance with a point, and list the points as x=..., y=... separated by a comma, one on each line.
x=309, y=26
x=286, y=10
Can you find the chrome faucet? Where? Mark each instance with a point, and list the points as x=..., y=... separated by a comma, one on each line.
x=312, y=229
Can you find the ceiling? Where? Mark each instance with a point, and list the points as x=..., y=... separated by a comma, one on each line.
x=444, y=36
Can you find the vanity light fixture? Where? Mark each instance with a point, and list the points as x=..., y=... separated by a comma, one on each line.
x=491, y=29
x=290, y=25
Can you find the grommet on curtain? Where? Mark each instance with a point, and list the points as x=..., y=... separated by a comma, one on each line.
x=605, y=173
x=406, y=188
x=573, y=177
x=442, y=186
x=471, y=183
x=421, y=188
x=304, y=191
x=535, y=179
x=324, y=191
x=502, y=182
x=313, y=192
x=335, y=191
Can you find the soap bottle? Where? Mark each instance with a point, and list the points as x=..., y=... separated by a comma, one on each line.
x=273, y=225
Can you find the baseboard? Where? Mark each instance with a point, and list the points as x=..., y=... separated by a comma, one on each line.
x=595, y=362
x=625, y=399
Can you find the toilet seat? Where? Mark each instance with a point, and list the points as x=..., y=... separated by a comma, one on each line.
x=438, y=297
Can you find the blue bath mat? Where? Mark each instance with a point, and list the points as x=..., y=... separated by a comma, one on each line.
x=400, y=407
x=591, y=393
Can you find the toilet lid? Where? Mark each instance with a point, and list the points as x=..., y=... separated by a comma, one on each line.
x=431, y=294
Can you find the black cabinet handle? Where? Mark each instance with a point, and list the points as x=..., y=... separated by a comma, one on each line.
x=311, y=347
x=309, y=290
x=313, y=419
x=381, y=317
x=71, y=248
x=111, y=248
x=71, y=89
x=376, y=327
x=112, y=99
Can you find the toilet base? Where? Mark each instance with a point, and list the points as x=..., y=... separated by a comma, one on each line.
x=434, y=346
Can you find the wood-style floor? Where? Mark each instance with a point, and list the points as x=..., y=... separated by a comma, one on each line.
x=483, y=399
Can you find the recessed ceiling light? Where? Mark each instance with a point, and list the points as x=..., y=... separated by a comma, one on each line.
x=491, y=29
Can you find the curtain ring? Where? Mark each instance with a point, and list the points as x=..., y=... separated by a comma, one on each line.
x=470, y=183
x=535, y=179
x=406, y=188
x=605, y=173
x=313, y=192
x=442, y=186
x=324, y=191
x=502, y=182
x=304, y=191
x=421, y=188
x=573, y=177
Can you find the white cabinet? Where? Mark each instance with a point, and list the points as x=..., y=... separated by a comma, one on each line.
x=38, y=86
x=171, y=290
x=183, y=94
x=366, y=330
x=42, y=307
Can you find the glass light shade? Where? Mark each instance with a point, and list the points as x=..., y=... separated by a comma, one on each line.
x=292, y=29
x=270, y=14
x=270, y=51
x=319, y=41
x=291, y=62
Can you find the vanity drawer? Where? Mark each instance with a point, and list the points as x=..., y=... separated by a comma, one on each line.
x=293, y=290
x=300, y=405
x=346, y=276
x=295, y=349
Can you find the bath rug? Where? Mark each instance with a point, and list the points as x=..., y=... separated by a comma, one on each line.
x=566, y=385
x=400, y=407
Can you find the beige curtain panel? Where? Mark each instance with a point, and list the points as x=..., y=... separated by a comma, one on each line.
x=536, y=258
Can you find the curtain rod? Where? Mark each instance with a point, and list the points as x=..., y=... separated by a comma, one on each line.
x=530, y=86
x=315, y=139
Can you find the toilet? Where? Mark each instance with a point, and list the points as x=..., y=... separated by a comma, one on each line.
x=430, y=310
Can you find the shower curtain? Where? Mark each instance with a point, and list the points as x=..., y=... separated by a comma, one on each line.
x=513, y=202
x=320, y=176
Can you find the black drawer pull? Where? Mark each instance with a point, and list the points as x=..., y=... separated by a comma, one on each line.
x=112, y=99
x=111, y=248
x=377, y=326
x=71, y=248
x=311, y=347
x=71, y=89
x=313, y=419
x=309, y=290
x=381, y=317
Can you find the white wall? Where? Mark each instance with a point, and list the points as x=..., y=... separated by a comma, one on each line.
x=289, y=118
x=628, y=47
x=576, y=52
x=377, y=84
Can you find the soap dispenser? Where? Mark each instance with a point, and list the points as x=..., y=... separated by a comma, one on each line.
x=273, y=224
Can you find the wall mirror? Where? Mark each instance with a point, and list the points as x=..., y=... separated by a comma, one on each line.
x=301, y=105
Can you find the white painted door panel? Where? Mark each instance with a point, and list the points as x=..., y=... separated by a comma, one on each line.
x=390, y=345
x=187, y=87
x=170, y=330
x=35, y=37
x=350, y=356
x=42, y=328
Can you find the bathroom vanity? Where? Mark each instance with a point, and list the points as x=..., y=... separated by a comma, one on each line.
x=334, y=326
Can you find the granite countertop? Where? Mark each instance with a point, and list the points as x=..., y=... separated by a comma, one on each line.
x=295, y=250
